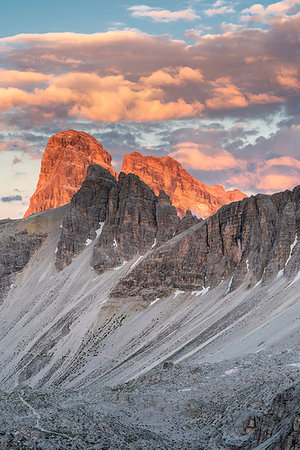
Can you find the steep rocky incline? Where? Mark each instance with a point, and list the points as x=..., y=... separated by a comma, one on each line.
x=16, y=249
x=186, y=193
x=64, y=168
x=254, y=241
x=137, y=220
x=86, y=216
x=125, y=216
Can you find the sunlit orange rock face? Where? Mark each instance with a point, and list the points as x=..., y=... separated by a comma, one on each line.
x=184, y=190
x=64, y=168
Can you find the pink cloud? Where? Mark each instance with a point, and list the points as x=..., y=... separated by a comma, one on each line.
x=288, y=78
x=162, y=15
x=203, y=157
x=226, y=95
x=19, y=78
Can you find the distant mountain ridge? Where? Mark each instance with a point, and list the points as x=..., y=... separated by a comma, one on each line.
x=185, y=191
x=69, y=153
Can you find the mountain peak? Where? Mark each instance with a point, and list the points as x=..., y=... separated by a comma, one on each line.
x=185, y=191
x=64, y=168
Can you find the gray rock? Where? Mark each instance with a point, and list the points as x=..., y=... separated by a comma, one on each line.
x=247, y=241
x=88, y=209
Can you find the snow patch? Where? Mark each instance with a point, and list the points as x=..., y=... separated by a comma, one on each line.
x=154, y=301
x=202, y=292
x=115, y=244
x=295, y=365
x=120, y=267
x=154, y=243
x=60, y=226
x=297, y=278
x=99, y=230
x=247, y=264
x=280, y=273
x=136, y=262
x=292, y=248
x=178, y=293
x=229, y=285
x=258, y=283
x=94, y=279
x=88, y=242
x=56, y=250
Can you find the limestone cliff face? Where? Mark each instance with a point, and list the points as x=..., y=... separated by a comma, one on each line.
x=253, y=241
x=86, y=216
x=125, y=217
x=64, y=168
x=186, y=193
x=137, y=220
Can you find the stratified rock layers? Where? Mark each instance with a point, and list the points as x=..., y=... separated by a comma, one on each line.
x=125, y=216
x=186, y=193
x=254, y=240
x=64, y=168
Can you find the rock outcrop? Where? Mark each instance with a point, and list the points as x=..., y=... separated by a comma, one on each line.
x=186, y=193
x=137, y=220
x=254, y=241
x=64, y=168
x=125, y=216
x=86, y=216
x=16, y=249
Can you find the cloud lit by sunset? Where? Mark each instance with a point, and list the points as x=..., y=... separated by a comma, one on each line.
x=216, y=88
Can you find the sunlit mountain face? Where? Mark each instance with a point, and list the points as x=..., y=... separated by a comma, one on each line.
x=215, y=86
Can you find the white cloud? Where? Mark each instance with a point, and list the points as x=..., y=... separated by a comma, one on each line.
x=162, y=15
x=219, y=8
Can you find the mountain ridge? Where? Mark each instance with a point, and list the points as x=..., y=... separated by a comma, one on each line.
x=185, y=191
x=69, y=153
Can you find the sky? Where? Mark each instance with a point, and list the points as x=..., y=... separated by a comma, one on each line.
x=214, y=85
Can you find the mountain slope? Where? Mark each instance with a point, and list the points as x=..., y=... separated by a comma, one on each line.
x=64, y=167
x=159, y=345
x=186, y=193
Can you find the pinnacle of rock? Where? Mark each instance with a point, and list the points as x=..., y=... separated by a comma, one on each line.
x=64, y=168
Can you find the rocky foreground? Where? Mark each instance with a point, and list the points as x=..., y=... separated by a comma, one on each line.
x=244, y=403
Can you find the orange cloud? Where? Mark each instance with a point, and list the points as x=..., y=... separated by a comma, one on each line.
x=288, y=78
x=199, y=157
x=18, y=78
x=226, y=95
x=276, y=182
x=262, y=99
x=177, y=76
x=111, y=98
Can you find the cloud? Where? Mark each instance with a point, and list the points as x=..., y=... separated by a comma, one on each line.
x=19, y=78
x=226, y=95
x=288, y=78
x=151, y=77
x=203, y=157
x=17, y=160
x=260, y=13
x=210, y=12
x=162, y=15
x=11, y=198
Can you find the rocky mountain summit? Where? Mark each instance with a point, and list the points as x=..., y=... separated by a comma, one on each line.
x=64, y=168
x=69, y=153
x=186, y=193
